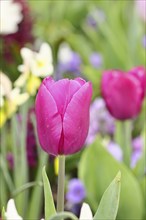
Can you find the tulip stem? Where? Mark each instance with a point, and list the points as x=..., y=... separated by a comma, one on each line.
x=123, y=138
x=61, y=177
x=127, y=129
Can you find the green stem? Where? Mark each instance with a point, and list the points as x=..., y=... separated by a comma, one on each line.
x=123, y=138
x=61, y=177
x=126, y=144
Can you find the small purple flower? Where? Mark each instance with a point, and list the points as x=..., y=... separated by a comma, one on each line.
x=115, y=150
x=95, y=17
x=68, y=61
x=144, y=41
x=91, y=21
x=96, y=60
x=76, y=208
x=100, y=120
x=137, y=148
x=135, y=158
x=76, y=191
x=72, y=64
x=137, y=143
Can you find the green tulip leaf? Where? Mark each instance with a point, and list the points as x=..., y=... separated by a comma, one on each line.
x=97, y=167
x=49, y=203
x=63, y=215
x=3, y=214
x=109, y=203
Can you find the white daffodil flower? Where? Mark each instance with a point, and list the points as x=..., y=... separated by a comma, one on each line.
x=12, y=95
x=39, y=64
x=17, y=98
x=5, y=87
x=86, y=213
x=11, y=16
x=11, y=211
x=10, y=98
x=27, y=57
x=42, y=62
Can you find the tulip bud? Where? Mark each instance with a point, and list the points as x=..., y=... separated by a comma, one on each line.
x=122, y=94
x=62, y=113
x=140, y=73
x=140, y=6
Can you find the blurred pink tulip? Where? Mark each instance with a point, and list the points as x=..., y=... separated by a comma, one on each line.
x=140, y=73
x=62, y=113
x=141, y=8
x=122, y=93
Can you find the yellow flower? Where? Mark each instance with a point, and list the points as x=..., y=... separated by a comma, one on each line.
x=5, y=87
x=33, y=84
x=3, y=117
x=10, y=98
x=56, y=165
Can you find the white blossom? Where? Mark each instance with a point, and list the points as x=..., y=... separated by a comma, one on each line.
x=14, y=95
x=11, y=211
x=39, y=64
x=5, y=87
x=86, y=213
x=11, y=16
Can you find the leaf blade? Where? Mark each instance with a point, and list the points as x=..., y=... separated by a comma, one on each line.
x=49, y=203
x=63, y=215
x=104, y=167
x=109, y=203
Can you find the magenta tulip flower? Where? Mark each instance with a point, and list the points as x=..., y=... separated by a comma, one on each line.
x=122, y=93
x=140, y=73
x=62, y=113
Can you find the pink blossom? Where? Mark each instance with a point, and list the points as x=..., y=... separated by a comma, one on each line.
x=122, y=93
x=141, y=9
x=140, y=73
x=62, y=113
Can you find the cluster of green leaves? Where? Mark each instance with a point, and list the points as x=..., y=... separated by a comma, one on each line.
x=100, y=171
x=16, y=183
x=107, y=208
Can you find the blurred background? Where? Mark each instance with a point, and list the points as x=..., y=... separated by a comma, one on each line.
x=70, y=39
x=112, y=30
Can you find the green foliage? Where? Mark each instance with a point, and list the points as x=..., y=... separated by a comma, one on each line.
x=63, y=215
x=49, y=203
x=118, y=38
x=109, y=203
x=3, y=214
x=97, y=168
x=37, y=192
x=20, y=160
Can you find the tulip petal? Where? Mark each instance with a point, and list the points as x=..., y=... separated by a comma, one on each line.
x=62, y=92
x=140, y=74
x=80, y=81
x=48, y=82
x=49, y=122
x=124, y=91
x=107, y=78
x=76, y=120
